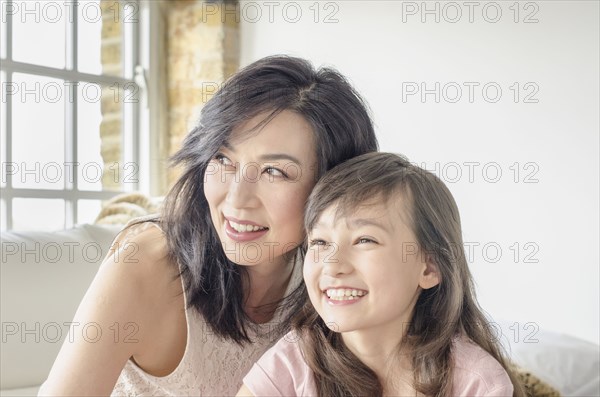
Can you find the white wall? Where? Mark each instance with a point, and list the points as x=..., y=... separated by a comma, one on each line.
x=558, y=137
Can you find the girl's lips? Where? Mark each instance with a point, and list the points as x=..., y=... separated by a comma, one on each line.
x=345, y=302
x=344, y=299
x=242, y=236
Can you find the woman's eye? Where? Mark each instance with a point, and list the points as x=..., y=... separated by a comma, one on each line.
x=221, y=159
x=275, y=172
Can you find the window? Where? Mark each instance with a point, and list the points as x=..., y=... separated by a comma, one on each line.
x=72, y=86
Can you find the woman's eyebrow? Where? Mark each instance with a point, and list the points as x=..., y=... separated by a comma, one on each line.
x=280, y=156
x=269, y=156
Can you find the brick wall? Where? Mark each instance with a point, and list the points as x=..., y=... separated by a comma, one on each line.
x=202, y=50
x=110, y=127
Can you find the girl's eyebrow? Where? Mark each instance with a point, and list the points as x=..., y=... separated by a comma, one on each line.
x=355, y=223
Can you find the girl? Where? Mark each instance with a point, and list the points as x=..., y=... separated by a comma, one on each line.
x=200, y=292
x=395, y=304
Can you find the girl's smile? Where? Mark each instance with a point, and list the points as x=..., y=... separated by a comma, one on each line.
x=344, y=295
x=367, y=260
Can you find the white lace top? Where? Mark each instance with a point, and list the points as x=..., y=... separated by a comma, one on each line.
x=211, y=366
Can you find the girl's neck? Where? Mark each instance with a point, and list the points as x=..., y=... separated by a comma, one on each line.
x=391, y=362
x=266, y=286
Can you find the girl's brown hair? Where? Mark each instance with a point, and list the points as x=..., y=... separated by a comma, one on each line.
x=441, y=313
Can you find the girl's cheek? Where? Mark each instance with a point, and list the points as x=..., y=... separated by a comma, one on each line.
x=309, y=269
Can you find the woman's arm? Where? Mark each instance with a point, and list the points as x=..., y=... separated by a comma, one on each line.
x=112, y=323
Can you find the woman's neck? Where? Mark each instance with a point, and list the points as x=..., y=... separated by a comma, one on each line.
x=264, y=287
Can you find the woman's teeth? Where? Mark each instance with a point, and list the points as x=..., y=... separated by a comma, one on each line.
x=245, y=228
x=344, y=294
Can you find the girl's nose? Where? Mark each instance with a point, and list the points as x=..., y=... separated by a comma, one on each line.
x=335, y=261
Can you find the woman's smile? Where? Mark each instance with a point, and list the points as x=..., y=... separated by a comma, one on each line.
x=241, y=231
x=256, y=188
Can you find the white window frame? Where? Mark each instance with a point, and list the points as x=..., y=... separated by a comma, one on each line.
x=136, y=64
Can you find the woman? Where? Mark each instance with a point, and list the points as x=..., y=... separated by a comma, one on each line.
x=188, y=301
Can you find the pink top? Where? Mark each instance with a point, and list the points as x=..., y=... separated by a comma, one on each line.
x=281, y=371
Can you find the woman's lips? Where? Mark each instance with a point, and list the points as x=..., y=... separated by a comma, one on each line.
x=243, y=236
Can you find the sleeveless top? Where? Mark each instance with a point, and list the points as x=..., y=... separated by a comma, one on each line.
x=211, y=365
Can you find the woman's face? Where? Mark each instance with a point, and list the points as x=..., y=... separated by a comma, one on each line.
x=256, y=187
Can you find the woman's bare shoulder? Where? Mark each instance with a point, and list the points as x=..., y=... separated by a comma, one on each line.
x=139, y=271
x=141, y=251
x=134, y=293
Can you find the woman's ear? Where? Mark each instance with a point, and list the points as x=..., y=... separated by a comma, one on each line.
x=431, y=275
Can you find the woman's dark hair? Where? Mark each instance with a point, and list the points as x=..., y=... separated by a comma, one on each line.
x=342, y=128
x=441, y=313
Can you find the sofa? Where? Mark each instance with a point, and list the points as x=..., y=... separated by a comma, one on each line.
x=44, y=275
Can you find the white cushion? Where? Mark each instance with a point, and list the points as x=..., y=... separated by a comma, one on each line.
x=569, y=364
x=28, y=391
x=43, y=277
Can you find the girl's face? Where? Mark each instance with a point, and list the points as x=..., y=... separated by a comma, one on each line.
x=256, y=187
x=364, y=272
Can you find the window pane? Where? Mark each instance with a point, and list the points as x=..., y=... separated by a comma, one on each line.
x=130, y=169
x=2, y=215
x=88, y=210
x=89, y=36
x=3, y=129
x=88, y=136
x=39, y=29
x=38, y=142
x=111, y=129
x=3, y=29
x=130, y=16
x=38, y=214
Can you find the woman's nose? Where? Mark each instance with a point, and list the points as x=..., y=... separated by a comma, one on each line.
x=241, y=189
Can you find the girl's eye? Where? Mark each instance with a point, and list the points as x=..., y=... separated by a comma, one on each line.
x=275, y=172
x=365, y=240
x=317, y=241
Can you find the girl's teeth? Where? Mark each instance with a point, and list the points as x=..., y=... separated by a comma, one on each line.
x=245, y=228
x=344, y=294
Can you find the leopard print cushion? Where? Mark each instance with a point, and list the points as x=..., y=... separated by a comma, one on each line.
x=122, y=208
x=534, y=387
